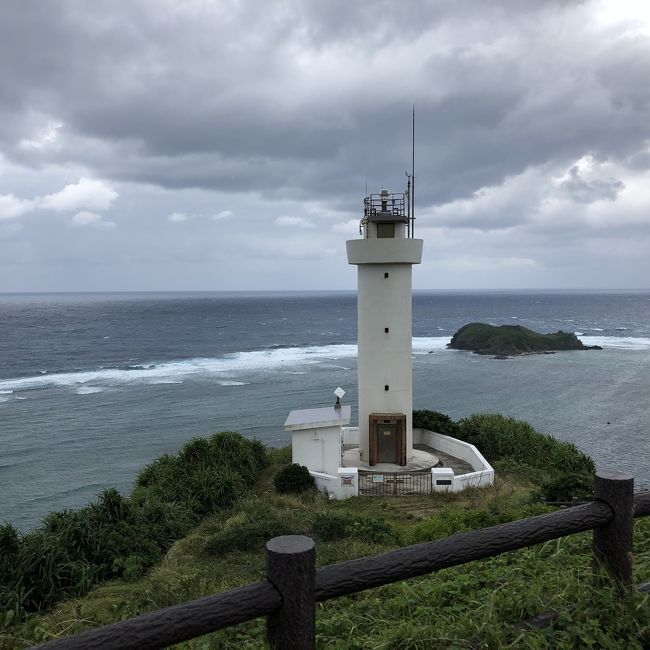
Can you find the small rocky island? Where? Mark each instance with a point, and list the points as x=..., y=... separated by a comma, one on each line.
x=508, y=340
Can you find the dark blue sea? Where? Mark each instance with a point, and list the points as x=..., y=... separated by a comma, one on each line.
x=94, y=386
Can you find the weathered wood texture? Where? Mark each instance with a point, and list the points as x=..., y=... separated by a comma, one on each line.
x=291, y=567
x=164, y=627
x=357, y=575
x=612, y=542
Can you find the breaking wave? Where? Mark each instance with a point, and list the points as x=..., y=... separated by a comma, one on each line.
x=88, y=390
x=617, y=342
x=292, y=360
x=176, y=371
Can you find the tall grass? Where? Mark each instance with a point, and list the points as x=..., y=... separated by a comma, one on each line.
x=504, y=438
x=434, y=421
x=120, y=536
x=559, y=468
x=480, y=604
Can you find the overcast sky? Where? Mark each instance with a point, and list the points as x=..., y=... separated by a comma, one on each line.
x=159, y=145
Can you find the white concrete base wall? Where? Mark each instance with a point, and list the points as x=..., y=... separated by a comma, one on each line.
x=449, y=445
x=483, y=473
x=475, y=479
x=343, y=485
x=350, y=435
x=322, y=448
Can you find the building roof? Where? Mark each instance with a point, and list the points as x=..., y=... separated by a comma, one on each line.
x=327, y=416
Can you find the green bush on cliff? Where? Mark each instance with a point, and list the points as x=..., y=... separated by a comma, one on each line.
x=434, y=421
x=293, y=479
x=500, y=437
x=118, y=536
x=331, y=526
x=568, y=486
x=560, y=467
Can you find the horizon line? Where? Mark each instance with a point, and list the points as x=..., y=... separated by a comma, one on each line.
x=438, y=290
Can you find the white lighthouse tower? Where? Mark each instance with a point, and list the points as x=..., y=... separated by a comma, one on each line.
x=384, y=256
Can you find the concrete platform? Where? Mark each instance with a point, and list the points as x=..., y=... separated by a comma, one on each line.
x=421, y=461
x=447, y=460
x=424, y=458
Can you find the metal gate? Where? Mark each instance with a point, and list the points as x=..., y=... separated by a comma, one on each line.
x=394, y=483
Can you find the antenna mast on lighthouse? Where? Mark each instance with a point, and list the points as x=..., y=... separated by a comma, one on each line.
x=413, y=174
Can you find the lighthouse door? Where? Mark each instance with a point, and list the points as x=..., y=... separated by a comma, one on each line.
x=387, y=438
x=386, y=443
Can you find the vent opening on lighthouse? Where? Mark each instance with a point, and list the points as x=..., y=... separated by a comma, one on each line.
x=385, y=231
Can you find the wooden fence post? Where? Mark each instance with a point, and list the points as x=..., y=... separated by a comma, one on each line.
x=291, y=567
x=612, y=543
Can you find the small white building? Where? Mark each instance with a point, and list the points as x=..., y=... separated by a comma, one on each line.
x=316, y=439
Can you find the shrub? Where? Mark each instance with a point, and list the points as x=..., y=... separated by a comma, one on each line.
x=119, y=536
x=244, y=456
x=567, y=486
x=451, y=521
x=248, y=535
x=330, y=526
x=373, y=529
x=293, y=479
x=9, y=545
x=111, y=506
x=434, y=421
x=504, y=438
x=166, y=522
x=208, y=474
x=195, y=451
x=156, y=471
x=279, y=455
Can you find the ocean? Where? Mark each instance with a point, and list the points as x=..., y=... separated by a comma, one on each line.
x=95, y=386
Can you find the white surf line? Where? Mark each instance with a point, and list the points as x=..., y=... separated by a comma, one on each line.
x=255, y=360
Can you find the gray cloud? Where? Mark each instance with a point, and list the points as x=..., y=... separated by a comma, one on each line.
x=586, y=191
x=272, y=110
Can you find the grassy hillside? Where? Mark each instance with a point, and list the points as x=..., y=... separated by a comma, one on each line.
x=511, y=340
x=122, y=536
x=480, y=605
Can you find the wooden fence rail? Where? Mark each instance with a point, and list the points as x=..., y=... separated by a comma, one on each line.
x=294, y=585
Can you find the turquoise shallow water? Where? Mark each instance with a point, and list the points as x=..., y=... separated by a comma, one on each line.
x=92, y=387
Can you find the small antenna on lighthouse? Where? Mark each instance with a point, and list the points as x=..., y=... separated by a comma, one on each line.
x=413, y=173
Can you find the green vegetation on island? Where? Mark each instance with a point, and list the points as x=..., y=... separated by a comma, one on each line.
x=480, y=604
x=509, y=340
